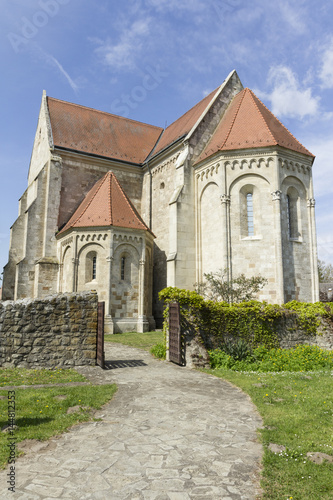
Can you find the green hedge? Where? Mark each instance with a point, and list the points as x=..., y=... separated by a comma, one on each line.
x=256, y=322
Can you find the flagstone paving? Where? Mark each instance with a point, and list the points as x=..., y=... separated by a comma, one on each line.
x=169, y=433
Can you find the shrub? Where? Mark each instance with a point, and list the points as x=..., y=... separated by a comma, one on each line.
x=299, y=359
x=159, y=351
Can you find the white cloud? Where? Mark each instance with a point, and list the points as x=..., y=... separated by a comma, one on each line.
x=287, y=96
x=326, y=73
x=322, y=169
x=123, y=54
x=293, y=17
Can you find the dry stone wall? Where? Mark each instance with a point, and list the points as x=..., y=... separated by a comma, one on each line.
x=58, y=331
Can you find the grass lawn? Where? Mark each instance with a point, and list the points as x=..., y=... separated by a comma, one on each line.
x=297, y=412
x=42, y=413
x=140, y=340
x=22, y=376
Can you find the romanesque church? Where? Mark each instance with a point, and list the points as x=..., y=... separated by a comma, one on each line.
x=127, y=208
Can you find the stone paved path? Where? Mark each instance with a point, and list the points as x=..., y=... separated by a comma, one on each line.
x=169, y=433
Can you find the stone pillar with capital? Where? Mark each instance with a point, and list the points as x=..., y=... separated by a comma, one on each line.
x=143, y=324
x=226, y=264
x=108, y=322
x=276, y=197
x=313, y=249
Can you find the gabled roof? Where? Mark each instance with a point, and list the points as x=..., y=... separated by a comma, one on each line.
x=247, y=123
x=95, y=132
x=184, y=124
x=106, y=204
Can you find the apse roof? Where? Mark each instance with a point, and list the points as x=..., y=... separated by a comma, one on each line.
x=106, y=204
x=247, y=123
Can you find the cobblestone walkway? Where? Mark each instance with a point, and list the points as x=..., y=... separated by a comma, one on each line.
x=169, y=433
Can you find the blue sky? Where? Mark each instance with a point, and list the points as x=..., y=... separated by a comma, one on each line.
x=152, y=60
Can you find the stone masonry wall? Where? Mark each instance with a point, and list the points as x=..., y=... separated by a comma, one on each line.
x=58, y=331
x=289, y=336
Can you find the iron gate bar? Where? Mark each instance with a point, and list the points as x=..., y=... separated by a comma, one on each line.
x=100, y=334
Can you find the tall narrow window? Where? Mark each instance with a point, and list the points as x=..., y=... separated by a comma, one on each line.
x=249, y=210
x=122, y=268
x=292, y=214
x=289, y=221
x=91, y=266
x=94, y=261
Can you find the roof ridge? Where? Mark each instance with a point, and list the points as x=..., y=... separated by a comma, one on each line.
x=253, y=94
x=104, y=112
x=110, y=196
x=235, y=116
x=194, y=106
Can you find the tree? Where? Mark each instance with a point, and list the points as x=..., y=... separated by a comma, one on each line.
x=218, y=288
x=325, y=272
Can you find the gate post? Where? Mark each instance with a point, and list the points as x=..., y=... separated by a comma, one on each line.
x=100, y=334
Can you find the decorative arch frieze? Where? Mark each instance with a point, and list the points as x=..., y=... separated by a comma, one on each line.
x=249, y=163
x=294, y=166
x=93, y=237
x=208, y=172
x=66, y=242
x=165, y=165
x=127, y=238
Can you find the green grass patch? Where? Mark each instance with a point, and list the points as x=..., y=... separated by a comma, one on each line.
x=42, y=413
x=22, y=376
x=140, y=340
x=297, y=412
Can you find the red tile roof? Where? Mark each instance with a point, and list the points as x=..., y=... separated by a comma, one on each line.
x=247, y=123
x=106, y=204
x=96, y=132
x=184, y=124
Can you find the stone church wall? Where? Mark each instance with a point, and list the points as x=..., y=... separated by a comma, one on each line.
x=59, y=331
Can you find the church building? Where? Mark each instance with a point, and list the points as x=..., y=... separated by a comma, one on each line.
x=126, y=208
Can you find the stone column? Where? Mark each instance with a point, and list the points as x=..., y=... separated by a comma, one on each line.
x=313, y=250
x=226, y=261
x=143, y=324
x=75, y=262
x=276, y=196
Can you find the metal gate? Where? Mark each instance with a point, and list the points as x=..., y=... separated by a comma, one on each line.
x=100, y=334
x=175, y=340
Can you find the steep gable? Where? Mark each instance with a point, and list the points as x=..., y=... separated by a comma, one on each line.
x=106, y=204
x=95, y=132
x=42, y=143
x=247, y=123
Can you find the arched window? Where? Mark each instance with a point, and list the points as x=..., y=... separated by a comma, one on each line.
x=249, y=212
x=122, y=267
x=94, y=261
x=292, y=213
x=91, y=266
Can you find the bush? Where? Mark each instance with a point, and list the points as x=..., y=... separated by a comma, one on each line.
x=159, y=351
x=238, y=350
x=301, y=358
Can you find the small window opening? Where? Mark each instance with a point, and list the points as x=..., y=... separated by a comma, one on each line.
x=122, y=268
x=249, y=208
x=94, y=261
